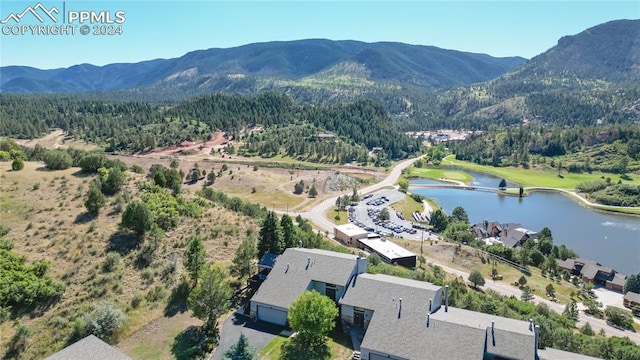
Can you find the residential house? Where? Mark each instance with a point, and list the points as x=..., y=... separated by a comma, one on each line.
x=510, y=234
x=593, y=272
x=89, y=348
x=631, y=299
x=403, y=319
x=298, y=270
x=400, y=318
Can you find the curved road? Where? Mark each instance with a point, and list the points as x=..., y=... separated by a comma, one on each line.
x=508, y=290
x=317, y=216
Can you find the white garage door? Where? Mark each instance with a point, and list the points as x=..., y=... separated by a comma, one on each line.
x=373, y=356
x=273, y=316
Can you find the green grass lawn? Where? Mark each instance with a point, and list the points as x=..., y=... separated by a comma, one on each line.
x=439, y=174
x=343, y=216
x=340, y=344
x=532, y=177
x=407, y=206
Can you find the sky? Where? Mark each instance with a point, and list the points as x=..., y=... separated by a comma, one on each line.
x=147, y=29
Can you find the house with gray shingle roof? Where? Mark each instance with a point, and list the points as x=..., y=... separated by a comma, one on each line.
x=386, y=295
x=593, y=272
x=631, y=299
x=399, y=318
x=298, y=270
x=403, y=319
x=89, y=348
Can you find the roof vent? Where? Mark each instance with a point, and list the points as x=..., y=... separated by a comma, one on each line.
x=493, y=334
x=308, y=261
x=446, y=298
x=287, y=269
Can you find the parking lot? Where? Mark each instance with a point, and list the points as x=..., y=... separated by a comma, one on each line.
x=365, y=215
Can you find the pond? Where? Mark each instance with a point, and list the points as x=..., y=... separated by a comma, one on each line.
x=610, y=239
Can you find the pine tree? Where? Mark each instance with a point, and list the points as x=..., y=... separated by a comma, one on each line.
x=242, y=263
x=194, y=260
x=270, y=240
x=241, y=350
x=288, y=232
x=313, y=192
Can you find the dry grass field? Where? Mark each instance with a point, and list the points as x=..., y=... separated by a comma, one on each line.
x=45, y=211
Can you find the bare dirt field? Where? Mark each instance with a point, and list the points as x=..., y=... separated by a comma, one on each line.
x=218, y=140
x=57, y=139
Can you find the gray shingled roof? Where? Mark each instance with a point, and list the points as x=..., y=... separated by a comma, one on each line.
x=380, y=292
x=513, y=338
x=553, y=354
x=409, y=338
x=631, y=296
x=89, y=348
x=566, y=264
x=291, y=276
x=456, y=334
x=618, y=279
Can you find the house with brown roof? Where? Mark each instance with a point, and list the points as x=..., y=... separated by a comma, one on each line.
x=593, y=272
x=631, y=299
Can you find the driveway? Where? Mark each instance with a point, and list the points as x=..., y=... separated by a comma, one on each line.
x=259, y=334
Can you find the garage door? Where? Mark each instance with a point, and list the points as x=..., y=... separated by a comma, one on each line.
x=273, y=316
x=373, y=356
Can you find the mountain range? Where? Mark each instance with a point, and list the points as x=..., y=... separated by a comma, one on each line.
x=214, y=69
x=585, y=78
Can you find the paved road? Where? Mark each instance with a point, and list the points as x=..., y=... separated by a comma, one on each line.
x=508, y=290
x=316, y=214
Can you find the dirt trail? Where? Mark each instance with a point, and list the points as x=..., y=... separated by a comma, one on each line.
x=217, y=140
x=54, y=138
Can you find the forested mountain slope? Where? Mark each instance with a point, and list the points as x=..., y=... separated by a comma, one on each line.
x=588, y=78
x=252, y=67
x=135, y=126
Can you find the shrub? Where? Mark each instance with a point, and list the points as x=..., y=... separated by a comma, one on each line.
x=156, y=294
x=57, y=160
x=111, y=262
x=374, y=259
x=17, y=164
x=136, y=300
x=104, y=320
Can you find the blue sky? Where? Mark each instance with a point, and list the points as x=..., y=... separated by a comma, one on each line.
x=165, y=29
